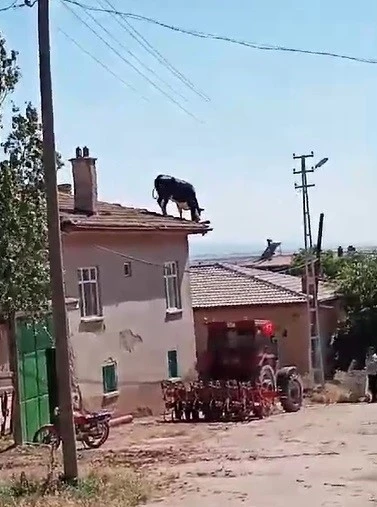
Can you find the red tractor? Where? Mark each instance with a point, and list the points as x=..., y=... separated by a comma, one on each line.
x=238, y=375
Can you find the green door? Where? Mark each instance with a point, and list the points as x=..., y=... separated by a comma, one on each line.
x=34, y=340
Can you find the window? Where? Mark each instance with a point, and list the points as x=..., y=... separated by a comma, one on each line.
x=172, y=292
x=89, y=292
x=127, y=269
x=110, y=377
x=172, y=364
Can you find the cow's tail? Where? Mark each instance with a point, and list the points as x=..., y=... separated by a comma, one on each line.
x=154, y=193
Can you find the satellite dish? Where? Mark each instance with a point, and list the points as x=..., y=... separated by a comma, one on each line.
x=321, y=163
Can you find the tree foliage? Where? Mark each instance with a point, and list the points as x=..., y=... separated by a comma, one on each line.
x=357, y=286
x=23, y=219
x=330, y=263
x=9, y=73
x=355, y=277
x=24, y=271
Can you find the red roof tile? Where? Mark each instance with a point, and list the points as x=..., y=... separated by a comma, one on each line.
x=116, y=216
x=228, y=285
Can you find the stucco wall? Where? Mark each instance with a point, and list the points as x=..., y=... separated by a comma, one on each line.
x=135, y=304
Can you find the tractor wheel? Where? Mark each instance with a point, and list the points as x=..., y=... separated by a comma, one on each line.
x=291, y=395
x=267, y=378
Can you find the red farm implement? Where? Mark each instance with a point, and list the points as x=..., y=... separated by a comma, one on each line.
x=236, y=382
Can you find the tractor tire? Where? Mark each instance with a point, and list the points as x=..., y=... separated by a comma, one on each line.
x=291, y=392
x=267, y=378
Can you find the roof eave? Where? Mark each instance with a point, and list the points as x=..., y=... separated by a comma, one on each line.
x=254, y=305
x=69, y=226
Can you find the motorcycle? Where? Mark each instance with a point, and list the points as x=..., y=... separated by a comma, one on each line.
x=92, y=429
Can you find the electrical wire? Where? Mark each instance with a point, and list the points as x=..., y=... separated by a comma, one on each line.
x=146, y=67
x=125, y=60
x=13, y=5
x=125, y=83
x=159, y=265
x=154, y=52
x=231, y=40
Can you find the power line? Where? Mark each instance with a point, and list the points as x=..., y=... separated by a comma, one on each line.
x=231, y=40
x=128, y=85
x=154, y=52
x=161, y=265
x=13, y=5
x=172, y=99
x=133, y=54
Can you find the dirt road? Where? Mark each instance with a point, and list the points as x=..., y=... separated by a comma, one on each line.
x=320, y=457
x=323, y=456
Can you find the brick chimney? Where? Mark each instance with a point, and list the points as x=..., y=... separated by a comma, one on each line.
x=85, y=181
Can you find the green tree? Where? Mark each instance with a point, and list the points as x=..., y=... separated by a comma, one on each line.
x=357, y=286
x=357, y=283
x=331, y=264
x=9, y=73
x=24, y=271
x=23, y=219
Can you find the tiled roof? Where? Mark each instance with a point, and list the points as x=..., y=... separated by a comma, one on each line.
x=275, y=261
x=115, y=216
x=228, y=285
x=326, y=291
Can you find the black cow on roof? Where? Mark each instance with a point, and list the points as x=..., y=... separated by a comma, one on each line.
x=179, y=191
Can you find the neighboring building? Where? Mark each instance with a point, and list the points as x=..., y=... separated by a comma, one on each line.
x=229, y=293
x=128, y=269
x=276, y=263
x=272, y=259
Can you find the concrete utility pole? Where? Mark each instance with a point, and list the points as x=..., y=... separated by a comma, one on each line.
x=59, y=314
x=315, y=348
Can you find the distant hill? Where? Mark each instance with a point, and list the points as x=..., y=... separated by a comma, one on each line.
x=239, y=253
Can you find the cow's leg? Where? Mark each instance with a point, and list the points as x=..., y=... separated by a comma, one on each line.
x=162, y=202
x=179, y=211
x=194, y=213
x=163, y=206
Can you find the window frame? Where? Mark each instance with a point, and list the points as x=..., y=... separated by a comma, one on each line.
x=105, y=389
x=129, y=269
x=90, y=281
x=169, y=360
x=171, y=275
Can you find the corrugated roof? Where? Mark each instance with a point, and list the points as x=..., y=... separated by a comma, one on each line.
x=228, y=285
x=115, y=216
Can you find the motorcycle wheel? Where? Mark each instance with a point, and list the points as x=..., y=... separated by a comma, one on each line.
x=96, y=442
x=47, y=435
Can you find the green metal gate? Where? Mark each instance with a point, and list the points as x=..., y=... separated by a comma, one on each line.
x=36, y=374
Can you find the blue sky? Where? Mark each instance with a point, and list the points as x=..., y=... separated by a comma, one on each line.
x=264, y=106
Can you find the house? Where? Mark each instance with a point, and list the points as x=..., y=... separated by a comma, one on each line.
x=229, y=293
x=128, y=270
x=272, y=259
x=276, y=263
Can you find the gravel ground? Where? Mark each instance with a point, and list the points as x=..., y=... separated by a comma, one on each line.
x=322, y=456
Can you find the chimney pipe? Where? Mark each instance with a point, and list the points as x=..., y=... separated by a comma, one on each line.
x=85, y=181
x=65, y=188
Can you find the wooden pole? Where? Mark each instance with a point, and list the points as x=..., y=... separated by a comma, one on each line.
x=59, y=313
